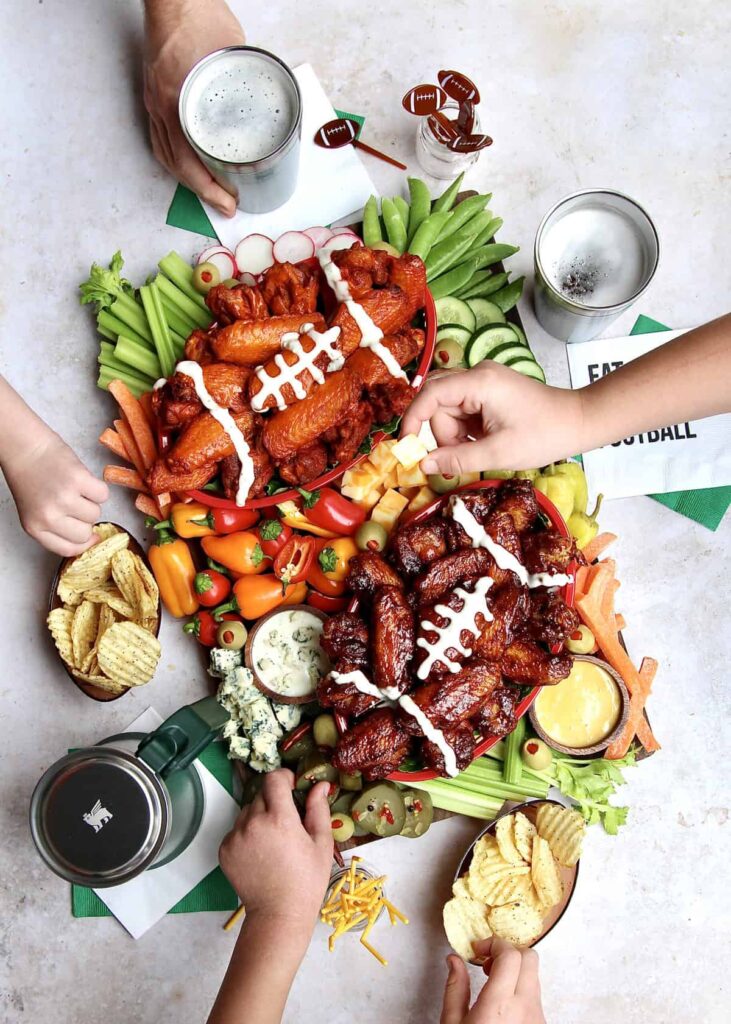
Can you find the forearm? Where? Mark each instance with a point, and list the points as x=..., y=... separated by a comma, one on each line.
x=688, y=378
x=21, y=430
x=262, y=968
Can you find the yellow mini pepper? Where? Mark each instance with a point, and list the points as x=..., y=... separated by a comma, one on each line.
x=181, y=516
x=172, y=564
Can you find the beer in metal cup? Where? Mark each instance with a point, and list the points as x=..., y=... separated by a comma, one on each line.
x=596, y=252
x=240, y=109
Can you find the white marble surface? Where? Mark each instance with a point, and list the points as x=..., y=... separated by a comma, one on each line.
x=631, y=95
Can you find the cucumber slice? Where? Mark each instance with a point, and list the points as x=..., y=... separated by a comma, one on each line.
x=453, y=311
x=486, y=341
x=487, y=312
x=455, y=331
x=529, y=368
x=520, y=332
x=514, y=351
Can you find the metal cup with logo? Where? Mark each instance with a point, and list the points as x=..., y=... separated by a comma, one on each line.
x=104, y=814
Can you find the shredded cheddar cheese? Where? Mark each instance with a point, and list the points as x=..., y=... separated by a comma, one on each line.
x=357, y=898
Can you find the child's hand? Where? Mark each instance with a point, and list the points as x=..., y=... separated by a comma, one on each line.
x=279, y=866
x=511, y=995
x=516, y=422
x=57, y=497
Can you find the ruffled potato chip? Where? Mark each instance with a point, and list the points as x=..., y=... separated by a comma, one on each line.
x=505, y=839
x=564, y=830
x=109, y=594
x=544, y=872
x=83, y=631
x=465, y=922
x=59, y=623
x=97, y=679
x=128, y=654
x=517, y=922
x=105, y=530
x=91, y=568
x=523, y=832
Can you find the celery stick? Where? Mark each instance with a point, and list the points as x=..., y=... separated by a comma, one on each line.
x=106, y=333
x=106, y=376
x=158, y=325
x=125, y=308
x=201, y=317
x=468, y=804
x=177, y=320
x=110, y=324
x=106, y=358
x=495, y=788
x=513, y=765
x=181, y=273
x=140, y=359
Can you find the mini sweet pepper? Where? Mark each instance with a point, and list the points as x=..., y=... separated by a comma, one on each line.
x=172, y=564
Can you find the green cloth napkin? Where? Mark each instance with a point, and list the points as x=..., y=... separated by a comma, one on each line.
x=214, y=892
x=186, y=210
x=707, y=505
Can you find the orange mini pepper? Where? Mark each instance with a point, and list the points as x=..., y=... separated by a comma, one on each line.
x=239, y=552
x=172, y=564
x=254, y=596
x=181, y=516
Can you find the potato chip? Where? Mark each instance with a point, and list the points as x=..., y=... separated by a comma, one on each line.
x=518, y=923
x=125, y=575
x=459, y=888
x=150, y=606
x=485, y=879
x=523, y=832
x=564, y=831
x=465, y=922
x=107, y=593
x=128, y=654
x=97, y=679
x=487, y=849
x=83, y=631
x=505, y=840
x=544, y=872
x=105, y=530
x=514, y=887
x=59, y=623
x=91, y=568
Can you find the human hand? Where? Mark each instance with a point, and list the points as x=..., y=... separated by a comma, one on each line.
x=177, y=34
x=280, y=866
x=57, y=498
x=511, y=995
x=516, y=422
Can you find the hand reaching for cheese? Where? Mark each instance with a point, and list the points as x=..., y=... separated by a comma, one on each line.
x=511, y=995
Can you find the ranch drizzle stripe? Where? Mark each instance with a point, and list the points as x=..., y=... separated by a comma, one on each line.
x=226, y=420
x=371, y=334
x=449, y=637
x=271, y=387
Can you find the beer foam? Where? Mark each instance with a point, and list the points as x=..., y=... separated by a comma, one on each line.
x=240, y=107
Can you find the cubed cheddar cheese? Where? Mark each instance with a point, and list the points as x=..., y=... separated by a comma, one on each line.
x=388, y=509
x=382, y=456
x=426, y=436
x=391, y=478
x=410, y=477
x=409, y=451
x=368, y=500
x=424, y=496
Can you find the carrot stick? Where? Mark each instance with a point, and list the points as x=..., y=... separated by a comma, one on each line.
x=124, y=477
x=619, y=621
x=137, y=421
x=608, y=640
x=133, y=453
x=646, y=736
x=145, y=401
x=598, y=545
x=147, y=505
x=111, y=440
x=638, y=698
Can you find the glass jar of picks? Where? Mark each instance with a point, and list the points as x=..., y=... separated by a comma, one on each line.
x=434, y=156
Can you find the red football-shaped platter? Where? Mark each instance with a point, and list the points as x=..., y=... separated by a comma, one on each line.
x=334, y=134
x=424, y=99
x=458, y=86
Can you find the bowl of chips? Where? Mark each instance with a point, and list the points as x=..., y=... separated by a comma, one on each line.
x=517, y=878
x=104, y=616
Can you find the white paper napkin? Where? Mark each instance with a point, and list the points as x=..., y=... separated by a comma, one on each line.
x=141, y=902
x=683, y=456
x=332, y=183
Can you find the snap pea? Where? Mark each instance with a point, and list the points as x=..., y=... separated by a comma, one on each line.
x=403, y=210
x=395, y=228
x=489, y=233
x=448, y=253
x=447, y=284
x=447, y=198
x=426, y=234
x=507, y=297
x=420, y=205
x=371, y=223
x=477, y=278
x=486, y=255
x=491, y=284
x=462, y=214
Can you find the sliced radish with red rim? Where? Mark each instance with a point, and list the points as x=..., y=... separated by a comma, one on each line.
x=254, y=254
x=318, y=235
x=247, y=278
x=342, y=231
x=344, y=241
x=222, y=259
x=293, y=247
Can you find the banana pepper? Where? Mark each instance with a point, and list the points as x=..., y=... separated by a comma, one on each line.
x=172, y=565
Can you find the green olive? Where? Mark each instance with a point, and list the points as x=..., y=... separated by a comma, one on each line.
x=352, y=782
x=371, y=536
x=205, y=277
x=231, y=282
x=342, y=826
x=536, y=754
x=581, y=641
x=442, y=484
x=498, y=474
x=448, y=353
x=315, y=767
x=231, y=635
x=325, y=731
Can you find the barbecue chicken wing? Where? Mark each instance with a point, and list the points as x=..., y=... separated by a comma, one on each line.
x=204, y=441
x=177, y=402
x=290, y=289
x=368, y=572
x=240, y=303
x=392, y=639
x=302, y=424
x=304, y=466
x=344, y=698
x=253, y=342
x=345, y=637
x=375, y=745
x=429, y=617
x=498, y=715
x=550, y=620
x=547, y=551
x=448, y=572
x=454, y=697
x=525, y=662
x=413, y=548
x=509, y=605
x=461, y=739
x=517, y=498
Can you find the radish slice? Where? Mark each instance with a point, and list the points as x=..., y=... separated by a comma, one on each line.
x=202, y=257
x=247, y=278
x=224, y=264
x=254, y=254
x=342, y=242
x=318, y=235
x=342, y=231
x=293, y=246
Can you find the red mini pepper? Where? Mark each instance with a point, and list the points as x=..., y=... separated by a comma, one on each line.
x=272, y=535
x=331, y=511
x=294, y=560
x=227, y=520
x=327, y=602
x=211, y=587
x=204, y=627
